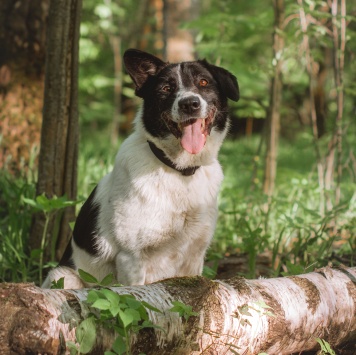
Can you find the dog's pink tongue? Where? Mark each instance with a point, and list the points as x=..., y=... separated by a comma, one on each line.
x=193, y=139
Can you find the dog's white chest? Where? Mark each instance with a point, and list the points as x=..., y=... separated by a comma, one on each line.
x=155, y=214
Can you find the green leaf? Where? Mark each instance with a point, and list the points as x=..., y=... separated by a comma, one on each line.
x=32, y=203
x=119, y=345
x=150, y=307
x=263, y=304
x=126, y=318
x=133, y=313
x=133, y=303
x=58, y=284
x=208, y=272
x=36, y=253
x=111, y=296
x=101, y=304
x=325, y=347
x=244, y=310
x=86, y=277
x=293, y=269
x=47, y=205
x=183, y=310
x=86, y=335
x=114, y=310
x=72, y=348
x=107, y=280
x=93, y=295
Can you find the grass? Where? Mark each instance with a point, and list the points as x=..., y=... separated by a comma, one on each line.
x=292, y=232
x=15, y=221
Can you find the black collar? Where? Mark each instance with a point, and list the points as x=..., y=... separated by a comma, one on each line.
x=162, y=157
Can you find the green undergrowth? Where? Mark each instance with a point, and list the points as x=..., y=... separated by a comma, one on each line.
x=293, y=231
x=17, y=262
x=123, y=314
x=290, y=230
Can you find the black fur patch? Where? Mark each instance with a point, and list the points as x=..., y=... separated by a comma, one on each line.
x=150, y=75
x=86, y=224
x=67, y=257
x=158, y=104
x=84, y=231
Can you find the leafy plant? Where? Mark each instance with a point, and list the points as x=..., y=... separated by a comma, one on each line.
x=16, y=263
x=183, y=310
x=49, y=206
x=325, y=347
x=88, y=278
x=242, y=313
x=122, y=313
x=58, y=284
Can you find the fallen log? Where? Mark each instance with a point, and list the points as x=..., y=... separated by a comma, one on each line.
x=237, y=316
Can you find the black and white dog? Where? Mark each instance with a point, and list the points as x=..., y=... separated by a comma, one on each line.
x=154, y=215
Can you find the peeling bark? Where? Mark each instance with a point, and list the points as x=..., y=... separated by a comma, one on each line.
x=231, y=317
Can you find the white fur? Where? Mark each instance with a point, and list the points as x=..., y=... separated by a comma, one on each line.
x=154, y=222
x=71, y=279
x=182, y=93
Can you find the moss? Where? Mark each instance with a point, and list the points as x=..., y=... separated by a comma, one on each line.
x=191, y=281
x=240, y=284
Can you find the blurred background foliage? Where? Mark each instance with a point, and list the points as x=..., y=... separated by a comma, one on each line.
x=238, y=36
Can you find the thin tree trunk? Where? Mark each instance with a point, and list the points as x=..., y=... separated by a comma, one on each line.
x=115, y=41
x=276, y=316
x=273, y=117
x=313, y=114
x=339, y=43
x=57, y=172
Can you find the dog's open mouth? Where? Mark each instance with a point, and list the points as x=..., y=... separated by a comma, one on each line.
x=193, y=132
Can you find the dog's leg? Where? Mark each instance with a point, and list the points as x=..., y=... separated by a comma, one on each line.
x=71, y=278
x=130, y=269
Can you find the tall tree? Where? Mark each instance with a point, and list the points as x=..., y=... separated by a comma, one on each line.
x=310, y=65
x=338, y=11
x=273, y=117
x=57, y=171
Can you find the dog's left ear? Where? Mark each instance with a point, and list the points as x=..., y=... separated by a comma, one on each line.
x=141, y=65
x=226, y=81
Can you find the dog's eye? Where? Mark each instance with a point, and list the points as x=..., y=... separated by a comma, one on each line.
x=166, y=88
x=203, y=82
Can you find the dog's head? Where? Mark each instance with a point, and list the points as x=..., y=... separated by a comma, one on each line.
x=186, y=100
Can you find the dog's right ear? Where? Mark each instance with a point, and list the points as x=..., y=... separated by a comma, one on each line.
x=141, y=65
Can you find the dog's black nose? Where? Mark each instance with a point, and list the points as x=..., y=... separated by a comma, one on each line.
x=189, y=104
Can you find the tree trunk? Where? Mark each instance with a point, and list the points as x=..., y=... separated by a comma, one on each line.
x=304, y=23
x=273, y=117
x=276, y=316
x=335, y=144
x=57, y=172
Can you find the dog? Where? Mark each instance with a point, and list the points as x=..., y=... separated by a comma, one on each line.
x=153, y=216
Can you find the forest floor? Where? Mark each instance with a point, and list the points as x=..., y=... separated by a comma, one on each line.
x=232, y=265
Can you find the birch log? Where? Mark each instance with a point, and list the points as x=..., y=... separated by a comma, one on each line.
x=233, y=317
